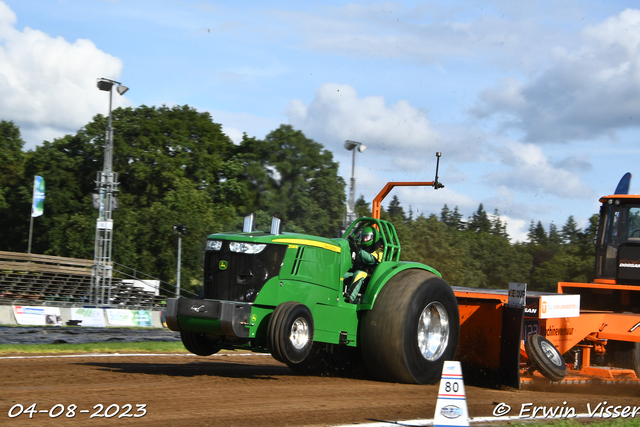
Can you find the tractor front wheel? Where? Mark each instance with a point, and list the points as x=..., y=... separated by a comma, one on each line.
x=411, y=330
x=290, y=333
x=198, y=343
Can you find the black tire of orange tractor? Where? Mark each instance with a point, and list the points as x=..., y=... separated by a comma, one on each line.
x=198, y=343
x=624, y=355
x=546, y=357
x=279, y=333
x=389, y=331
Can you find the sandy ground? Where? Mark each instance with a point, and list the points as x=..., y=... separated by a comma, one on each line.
x=241, y=390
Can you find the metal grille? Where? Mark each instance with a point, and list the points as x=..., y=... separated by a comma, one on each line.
x=231, y=276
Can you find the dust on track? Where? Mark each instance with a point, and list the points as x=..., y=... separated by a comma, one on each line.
x=254, y=390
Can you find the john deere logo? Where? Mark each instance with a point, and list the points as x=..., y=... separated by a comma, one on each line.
x=222, y=265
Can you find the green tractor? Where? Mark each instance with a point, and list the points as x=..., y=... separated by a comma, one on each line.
x=281, y=293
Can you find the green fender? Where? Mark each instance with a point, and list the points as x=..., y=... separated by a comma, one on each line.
x=385, y=271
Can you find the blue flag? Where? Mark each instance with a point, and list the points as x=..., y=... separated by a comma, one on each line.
x=37, y=208
x=623, y=185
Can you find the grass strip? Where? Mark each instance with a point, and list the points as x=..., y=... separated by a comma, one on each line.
x=619, y=422
x=113, y=347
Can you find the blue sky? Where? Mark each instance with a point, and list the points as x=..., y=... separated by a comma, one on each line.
x=534, y=105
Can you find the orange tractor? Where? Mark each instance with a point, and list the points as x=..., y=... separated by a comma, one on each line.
x=585, y=330
x=610, y=307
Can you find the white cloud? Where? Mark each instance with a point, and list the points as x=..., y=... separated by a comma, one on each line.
x=50, y=83
x=589, y=92
x=517, y=229
x=529, y=170
x=399, y=131
x=515, y=36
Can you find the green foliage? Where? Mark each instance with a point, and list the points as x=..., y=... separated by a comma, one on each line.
x=481, y=255
x=431, y=242
x=464, y=257
x=362, y=207
x=497, y=227
x=567, y=256
x=479, y=221
x=293, y=177
x=11, y=159
x=15, y=196
x=175, y=166
x=598, y=422
x=452, y=219
x=395, y=211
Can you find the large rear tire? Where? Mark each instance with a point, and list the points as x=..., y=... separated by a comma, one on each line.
x=290, y=333
x=198, y=343
x=411, y=330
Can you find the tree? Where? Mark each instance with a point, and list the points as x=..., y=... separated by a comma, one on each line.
x=554, y=240
x=537, y=234
x=498, y=261
x=362, y=207
x=11, y=159
x=497, y=227
x=569, y=231
x=293, y=177
x=479, y=221
x=429, y=241
x=15, y=194
x=174, y=165
x=395, y=210
x=68, y=166
x=452, y=219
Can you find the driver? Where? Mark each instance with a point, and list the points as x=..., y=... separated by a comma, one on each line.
x=367, y=254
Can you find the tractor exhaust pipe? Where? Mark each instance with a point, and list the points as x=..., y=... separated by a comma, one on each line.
x=249, y=222
x=276, y=226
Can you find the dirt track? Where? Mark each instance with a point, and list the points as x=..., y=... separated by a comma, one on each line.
x=247, y=390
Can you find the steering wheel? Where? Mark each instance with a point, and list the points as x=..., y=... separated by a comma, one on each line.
x=633, y=233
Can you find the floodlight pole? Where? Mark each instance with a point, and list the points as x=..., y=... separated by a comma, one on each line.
x=107, y=186
x=350, y=215
x=180, y=229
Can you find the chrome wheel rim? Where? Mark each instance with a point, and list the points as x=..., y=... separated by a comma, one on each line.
x=433, y=331
x=299, y=336
x=550, y=351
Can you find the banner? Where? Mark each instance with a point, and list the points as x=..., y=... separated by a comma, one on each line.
x=88, y=316
x=558, y=306
x=37, y=315
x=37, y=207
x=119, y=317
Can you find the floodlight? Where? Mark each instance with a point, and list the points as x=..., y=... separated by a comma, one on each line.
x=104, y=84
x=350, y=145
x=122, y=89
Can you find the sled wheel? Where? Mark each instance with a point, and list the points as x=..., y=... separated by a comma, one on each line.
x=546, y=357
x=411, y=330
x=198, y=343
x=290, y=332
